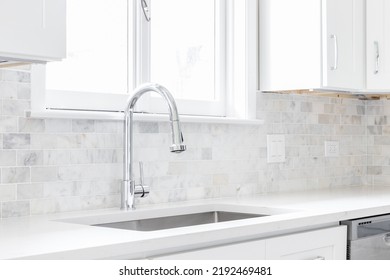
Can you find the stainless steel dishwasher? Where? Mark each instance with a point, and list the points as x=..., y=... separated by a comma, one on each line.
x=368, y=238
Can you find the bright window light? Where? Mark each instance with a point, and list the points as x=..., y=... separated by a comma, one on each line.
x=97, y=60
x=183, y=47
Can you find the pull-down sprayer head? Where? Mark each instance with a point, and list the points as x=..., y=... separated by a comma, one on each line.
x=177, y=138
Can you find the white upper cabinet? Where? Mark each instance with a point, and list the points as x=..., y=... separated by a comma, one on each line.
x=378, y=45
x=32, y=30
x=343, y=44
x=290, y=44
x=311, y=44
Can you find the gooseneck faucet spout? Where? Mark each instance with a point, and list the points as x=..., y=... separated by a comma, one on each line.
x=129, y=189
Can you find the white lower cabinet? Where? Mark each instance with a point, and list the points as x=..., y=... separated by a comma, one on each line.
x=321, y=244
x=252, y=250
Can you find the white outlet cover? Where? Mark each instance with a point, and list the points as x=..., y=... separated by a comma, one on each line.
x=332, y=148
x=276, y=148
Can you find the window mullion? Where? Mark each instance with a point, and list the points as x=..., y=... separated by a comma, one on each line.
x=142, y=51
x=144, y=41
x=131, y=46
x=221, y=52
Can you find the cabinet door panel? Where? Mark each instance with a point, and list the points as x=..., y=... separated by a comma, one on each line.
x=343, y=44
x=32, y=29
x=290, y=44
x=326, y=244
x=378, y=44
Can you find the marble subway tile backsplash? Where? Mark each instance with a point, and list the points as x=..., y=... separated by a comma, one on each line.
x=56, y=165
x=378, y=141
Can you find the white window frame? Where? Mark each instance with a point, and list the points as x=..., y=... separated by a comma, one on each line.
x=155, y=104
x=239, y=82
x=44, y=100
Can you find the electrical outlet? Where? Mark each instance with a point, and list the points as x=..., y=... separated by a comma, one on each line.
x=276, y=148
x=332, y=149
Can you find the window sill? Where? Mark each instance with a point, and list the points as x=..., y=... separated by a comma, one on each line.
x=117, y=116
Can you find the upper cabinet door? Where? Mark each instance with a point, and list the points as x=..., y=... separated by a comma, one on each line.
x=32, y=30
x=343, y=44
x=378, y=45
x=289, y=44
x=312, y=44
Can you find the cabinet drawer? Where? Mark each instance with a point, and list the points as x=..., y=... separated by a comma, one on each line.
x=326, y=244
x=253, y=250
x=322, y=244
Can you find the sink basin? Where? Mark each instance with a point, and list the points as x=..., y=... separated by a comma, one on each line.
x=176, y=221
x=175, y=217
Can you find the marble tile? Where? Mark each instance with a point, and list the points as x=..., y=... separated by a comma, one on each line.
x=7, y=192
x=146, y=127
x=108, y=126
x=374, y=130
x=95, y=156
x=43, y=141
x=60, y=189
x=328, y=119
x=58, y=126
x=7, y=158
x=31, y=125
x=306, y=107
x=8, y=90
x=16, y=76
x=29, y=158
x=16, y=107
x=8, y=124
x=15, y=209
x=106, y=187
x=10, y=175
x=83, y=126
x=89, y=172
x=56, y=157
x=96, y=202
x=206, y=154
x=24, y=91
x=44, y=174
x=354, y=119
x=29, y=191
x=16, y=141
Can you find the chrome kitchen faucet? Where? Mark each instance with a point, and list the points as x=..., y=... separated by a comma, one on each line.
x=129, y=189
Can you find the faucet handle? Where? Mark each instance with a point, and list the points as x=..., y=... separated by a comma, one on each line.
x=141, y=172
x=141, y=190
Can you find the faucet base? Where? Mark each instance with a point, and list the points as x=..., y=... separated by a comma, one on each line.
x=129, y=192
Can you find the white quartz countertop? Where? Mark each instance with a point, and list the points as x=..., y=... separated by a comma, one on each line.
x=69, y=235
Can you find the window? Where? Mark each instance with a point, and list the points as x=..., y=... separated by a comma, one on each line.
x=95, y=75
x=187, y=54
x=196, y=48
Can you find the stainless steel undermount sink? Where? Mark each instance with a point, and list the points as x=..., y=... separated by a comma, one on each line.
x=155, y=219
x=169, y=222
